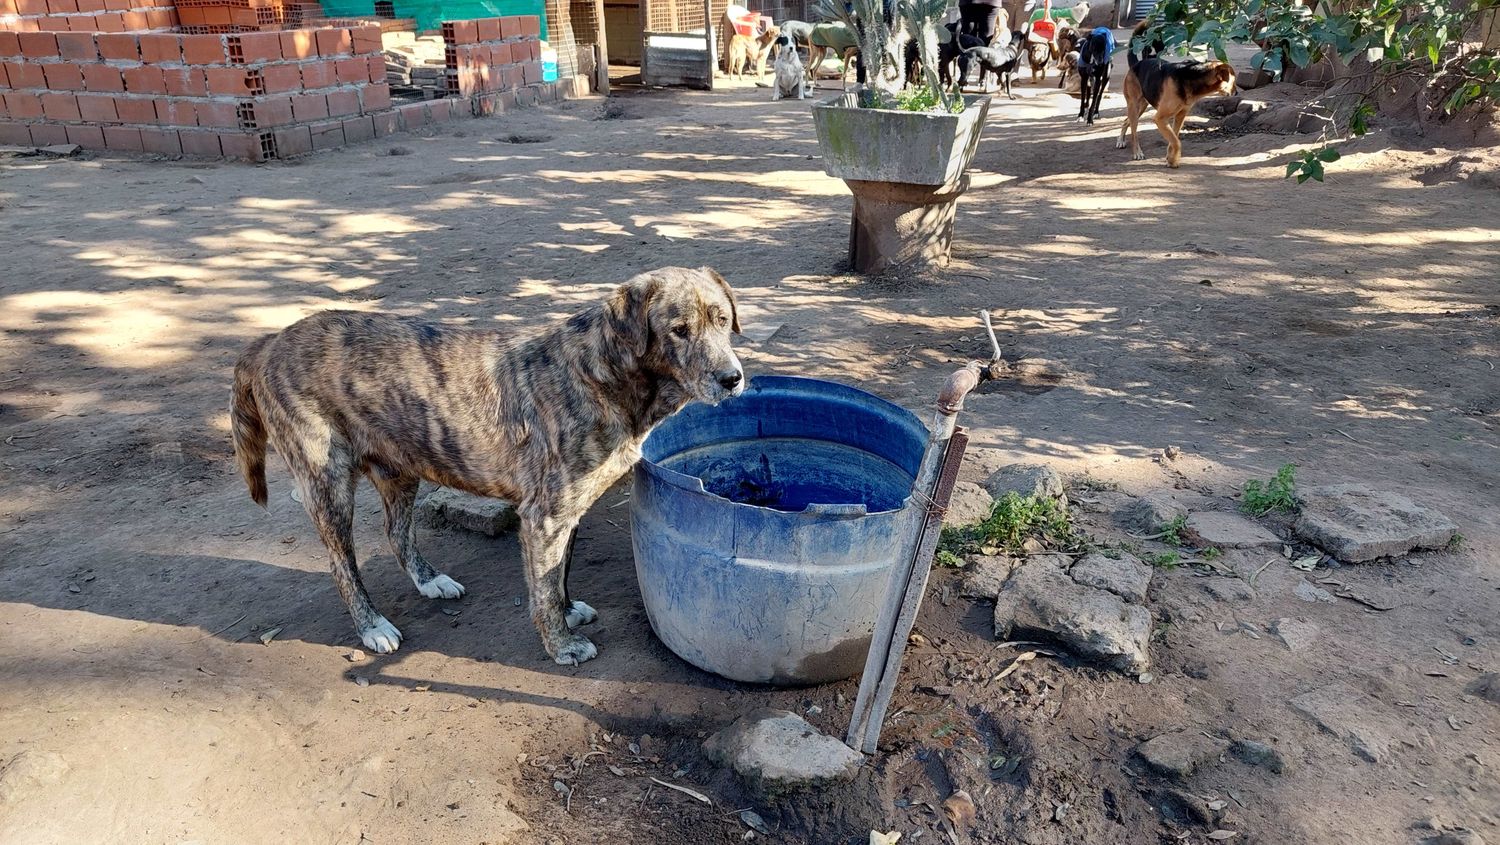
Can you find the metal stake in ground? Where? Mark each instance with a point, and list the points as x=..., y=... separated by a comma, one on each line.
x=908, y=579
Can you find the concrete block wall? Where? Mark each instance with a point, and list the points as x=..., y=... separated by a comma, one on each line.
x=87, y=15
x=252, y=95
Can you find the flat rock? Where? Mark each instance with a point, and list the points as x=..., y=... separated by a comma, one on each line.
x=986, y=575
x=1226, y=530
x=1026, y=480
x=1254, y=753
x=1361, y=721
x=969, y=505
x=1151, y=513
x=1041, y=599
x=776, y=752
x=1486, y=686
x=1228, y=589
x=1356, y=524
x=1179, y=755
x=1126, y=576
x=1311, y=593
x=444, y=506
x=1295, y=634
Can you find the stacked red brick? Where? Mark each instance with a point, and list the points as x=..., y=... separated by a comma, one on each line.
x=492, y=60
x=88, y=15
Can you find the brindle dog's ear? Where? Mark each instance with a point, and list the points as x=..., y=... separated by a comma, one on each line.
x=734, y=309
x=628, y=312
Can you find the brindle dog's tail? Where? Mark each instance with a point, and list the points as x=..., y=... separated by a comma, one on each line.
x=246, y=425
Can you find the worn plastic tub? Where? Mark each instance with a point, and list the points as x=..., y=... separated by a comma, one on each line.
x=764, y=527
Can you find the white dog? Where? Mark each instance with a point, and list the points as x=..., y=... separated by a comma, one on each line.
x=791, y=79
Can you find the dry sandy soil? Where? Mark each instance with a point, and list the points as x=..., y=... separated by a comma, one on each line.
x=1352, y=328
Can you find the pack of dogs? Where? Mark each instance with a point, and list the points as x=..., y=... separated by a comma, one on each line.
x=549, y=418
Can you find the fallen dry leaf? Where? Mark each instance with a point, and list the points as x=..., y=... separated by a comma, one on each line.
x=960, y=809
x=1221, y=835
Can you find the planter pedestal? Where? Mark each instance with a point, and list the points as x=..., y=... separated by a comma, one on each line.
x=901, y=224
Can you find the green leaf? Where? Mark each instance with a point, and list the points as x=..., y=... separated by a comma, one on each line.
x=1293, y=167
x=1432, y=53
x=1316, y=169
x=1328, y=154
x=1301, y=177
x=1297, y=52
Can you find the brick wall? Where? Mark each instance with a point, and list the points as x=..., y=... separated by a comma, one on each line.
x=252, y=95
x=88, y=15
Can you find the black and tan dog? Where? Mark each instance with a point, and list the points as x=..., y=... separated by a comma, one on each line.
x=1171, y=88
x=1001, y=61
x=547, y=419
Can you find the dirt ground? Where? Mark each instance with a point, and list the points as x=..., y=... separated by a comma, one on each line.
x=1352, y=328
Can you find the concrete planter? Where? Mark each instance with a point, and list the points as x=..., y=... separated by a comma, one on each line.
x=906, y=171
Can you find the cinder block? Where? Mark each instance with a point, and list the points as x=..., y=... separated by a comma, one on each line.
x=271, y=112
x=377, y=68
x=224, y=81
x=97, y=108
x=500, y=53
x=413, y=116
x=47, y=134
x=531, y=26
x=4, y=77
x=357, y=130
x=24, y=75
x=123, y=138
x=510, y=26
x=63, y=76
x=116, y=46
x=203, y=49
x=298, y=44
x=31, y=7
x=351, y=71
x=15, y=134
x=216, y=114
x=161, y=141
x=135, y=21
x=309, y=107
x=328, y=135
x=161, y=18
x=38, y=45
x=58, y=106
x=109, y=22
x=386, y=123
x=62, y=7
x=464, y=32
x=366, y=40
x=160, y=48
x=244, y=146
x=86, y=135
x=145, y=79
x=489, y=29
x=200, y=144
x=185, y=81
x=317, y=75
x=138, y=110
x=281, y=79
x=342, y=102
x=444, y=507
x=102, y=78
x=118, y=5
x=25, y=106
x=293, y=141
x=77, y=46
x=334, y=42
x=259, y=46
x=90, y=7
x=376, y=97
x=533, y=71
x=10, y=45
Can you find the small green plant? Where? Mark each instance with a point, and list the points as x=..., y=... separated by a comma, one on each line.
x=1211, y=553
x=947, y=559
x=1171, y=533
x=1310, y=164
x=1012, y=521
x=1278, y=494
x=921, y=98
x=1457, y=543
x=1165, y=560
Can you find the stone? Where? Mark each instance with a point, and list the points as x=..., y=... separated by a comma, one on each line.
x=1181, y=807
x=1026, y=480
x=1228, y=589
x=1295, y=634
x=1217, y=106
x=986, y=575
x=1254, y=753
x=1126, y=577
x=969, y=505
x=1309, y=593
x=1225, y=530
x=444, y=506
x=59, y=149
x=1354, y=717
x=1041, y=599
x=1486, y=686
x=1179, y=755
x=776, y=752
x=1151, y=513
x=30, y=771
x=1457, y=836
x=1355, y=524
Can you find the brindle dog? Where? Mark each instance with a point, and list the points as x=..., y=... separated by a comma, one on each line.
x=547, y=419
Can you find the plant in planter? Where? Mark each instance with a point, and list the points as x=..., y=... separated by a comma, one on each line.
x=904, y=153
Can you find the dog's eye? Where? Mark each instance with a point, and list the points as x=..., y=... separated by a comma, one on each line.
x=681, y=331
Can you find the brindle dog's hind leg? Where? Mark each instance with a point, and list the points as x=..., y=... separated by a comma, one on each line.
x=399, y=494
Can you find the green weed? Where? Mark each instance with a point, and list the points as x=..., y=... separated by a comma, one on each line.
x=1012, y=521
x=1278, y=494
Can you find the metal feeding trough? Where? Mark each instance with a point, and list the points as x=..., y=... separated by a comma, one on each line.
x=764, y=527
x=785, y=536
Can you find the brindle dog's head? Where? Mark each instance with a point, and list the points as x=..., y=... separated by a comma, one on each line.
x=678, y=322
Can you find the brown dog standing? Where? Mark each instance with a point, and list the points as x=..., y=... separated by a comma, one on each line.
x=547, y=419
x=1171, y=88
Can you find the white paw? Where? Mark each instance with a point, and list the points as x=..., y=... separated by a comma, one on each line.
x=580, y=614
x=381, y=637
x=1119, y=143
x=1138, y=156
x=441, y=587
x=575, y=650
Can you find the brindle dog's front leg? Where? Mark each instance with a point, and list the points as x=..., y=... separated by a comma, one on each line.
x=544, y=546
